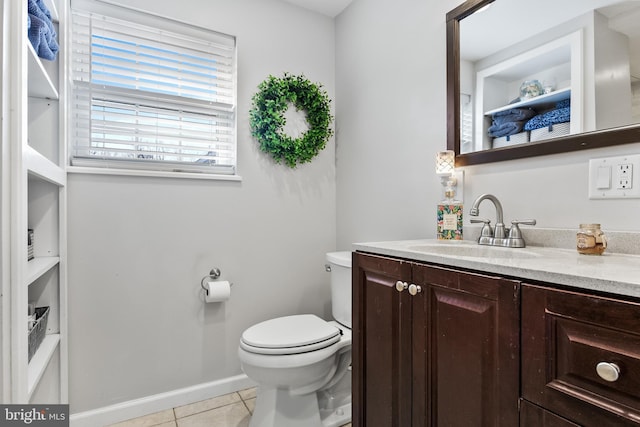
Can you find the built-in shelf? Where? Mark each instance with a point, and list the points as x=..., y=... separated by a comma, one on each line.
x=43, y=168
x=35, y=197
x=40, y=84
x=39, y=266
x=499, y=77
x=40, y=360
x=547, y=98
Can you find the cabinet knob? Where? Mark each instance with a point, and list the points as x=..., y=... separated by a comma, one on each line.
x=414, y=289
x=401, y=286
x=606, y=370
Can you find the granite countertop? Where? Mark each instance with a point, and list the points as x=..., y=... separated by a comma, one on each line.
x=615, y=273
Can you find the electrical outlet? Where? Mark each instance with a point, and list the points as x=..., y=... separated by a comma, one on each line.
x=625, y=176
x=613, y=177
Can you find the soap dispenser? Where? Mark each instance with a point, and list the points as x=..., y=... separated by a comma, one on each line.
x=449, y=213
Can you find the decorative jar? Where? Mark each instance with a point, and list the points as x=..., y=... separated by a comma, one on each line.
x=590, y=240
x=530, y=89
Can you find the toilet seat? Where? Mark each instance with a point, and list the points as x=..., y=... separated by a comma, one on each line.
x=290, y=335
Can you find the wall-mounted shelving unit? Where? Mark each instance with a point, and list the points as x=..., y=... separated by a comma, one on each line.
x=36, y=200
x=546, y=99
x=497, y=86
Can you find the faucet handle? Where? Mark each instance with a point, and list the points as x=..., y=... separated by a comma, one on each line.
x=514, y=231
x=486, y=229
x=524, y=221
x=486, y=221
x=486, y=233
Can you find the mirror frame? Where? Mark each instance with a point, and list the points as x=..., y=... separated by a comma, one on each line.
x=595, y=139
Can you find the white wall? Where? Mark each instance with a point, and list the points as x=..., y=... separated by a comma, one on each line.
x=391, y=118
x=390, y=83
x=138, y=247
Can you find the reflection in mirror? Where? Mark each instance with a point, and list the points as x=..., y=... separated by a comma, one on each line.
x=567, y=71
x=522, y=82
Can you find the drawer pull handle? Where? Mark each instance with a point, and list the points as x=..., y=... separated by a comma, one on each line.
x=414, y=289
x=401, y=286
x=608, y=371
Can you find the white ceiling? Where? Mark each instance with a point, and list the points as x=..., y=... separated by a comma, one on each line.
x=331, y=8
x=508, y=22
x=505, y=23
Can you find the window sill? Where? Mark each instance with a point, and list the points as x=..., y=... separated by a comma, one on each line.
x=154, y=174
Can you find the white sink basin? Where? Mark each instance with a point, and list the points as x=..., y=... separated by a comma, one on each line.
x=466, y=249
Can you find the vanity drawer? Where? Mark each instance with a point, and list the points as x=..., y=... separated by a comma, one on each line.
x=581, y=356
x=534, y=416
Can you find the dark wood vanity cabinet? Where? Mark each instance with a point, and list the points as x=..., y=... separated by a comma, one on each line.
x=446, y=356
x=437, y=346
x=580, y=359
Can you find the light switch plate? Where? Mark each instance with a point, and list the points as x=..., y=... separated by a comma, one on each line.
x=615, y=177
x=603, y=177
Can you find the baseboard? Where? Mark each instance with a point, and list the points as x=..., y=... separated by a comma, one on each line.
x=159, y=402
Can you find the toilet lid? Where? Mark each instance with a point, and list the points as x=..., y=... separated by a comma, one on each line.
x=290, y=334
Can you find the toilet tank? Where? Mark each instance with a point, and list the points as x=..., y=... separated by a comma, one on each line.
x=339, y=266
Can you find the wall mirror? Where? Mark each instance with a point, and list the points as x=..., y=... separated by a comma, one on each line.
x=534, y=78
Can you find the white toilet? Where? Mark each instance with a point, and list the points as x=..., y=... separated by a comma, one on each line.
x=301, y=363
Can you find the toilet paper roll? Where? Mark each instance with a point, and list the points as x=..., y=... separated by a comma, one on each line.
x=217, y=291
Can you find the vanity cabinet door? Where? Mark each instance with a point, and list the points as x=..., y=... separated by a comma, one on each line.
x=444, y=352
x=472, y=334
x=381, y=384
x=581, y=356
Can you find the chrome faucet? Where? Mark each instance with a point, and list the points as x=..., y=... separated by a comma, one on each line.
x=500, y=236
x=497, y=236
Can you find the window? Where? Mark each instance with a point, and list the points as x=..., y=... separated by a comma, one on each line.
x=466, y=123
x=151, y=98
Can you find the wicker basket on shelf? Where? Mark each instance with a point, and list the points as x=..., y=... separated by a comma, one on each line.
x=37, y=333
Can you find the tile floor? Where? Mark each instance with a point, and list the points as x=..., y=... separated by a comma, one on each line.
x=230, y=410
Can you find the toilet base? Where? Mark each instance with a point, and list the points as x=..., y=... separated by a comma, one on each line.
x=335, y=402
x=278, y=408
x=338, y=417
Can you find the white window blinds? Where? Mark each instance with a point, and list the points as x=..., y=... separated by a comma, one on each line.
x=147, y=98
x=466, y=123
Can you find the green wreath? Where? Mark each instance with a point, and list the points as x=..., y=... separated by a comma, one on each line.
x=274, y=97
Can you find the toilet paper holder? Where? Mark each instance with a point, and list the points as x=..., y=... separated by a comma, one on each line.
x=213, y=274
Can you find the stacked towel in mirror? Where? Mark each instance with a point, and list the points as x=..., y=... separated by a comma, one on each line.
x=509, y=122
x=560, y=114
x=41, y=31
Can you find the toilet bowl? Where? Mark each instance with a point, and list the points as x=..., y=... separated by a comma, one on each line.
x=301, y=362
